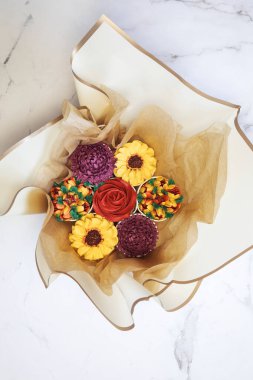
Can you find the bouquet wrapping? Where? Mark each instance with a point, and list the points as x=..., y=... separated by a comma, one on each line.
x=126, y=95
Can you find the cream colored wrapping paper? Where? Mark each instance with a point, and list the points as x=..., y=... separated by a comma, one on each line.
x=125, y=93
x=197, y=164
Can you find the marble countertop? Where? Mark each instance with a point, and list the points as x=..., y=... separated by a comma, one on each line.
x=57, y=333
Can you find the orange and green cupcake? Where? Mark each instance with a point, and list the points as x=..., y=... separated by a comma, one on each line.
x=159, y=198
x=72, y=199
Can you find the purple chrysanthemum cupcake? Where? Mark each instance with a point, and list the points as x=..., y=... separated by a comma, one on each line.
x=137, y=236
x=92, y=163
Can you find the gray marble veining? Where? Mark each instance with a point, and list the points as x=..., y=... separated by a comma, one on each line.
x=57, y=333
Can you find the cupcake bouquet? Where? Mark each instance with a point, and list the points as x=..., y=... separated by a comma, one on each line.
x=112, y=173
x=113, y=200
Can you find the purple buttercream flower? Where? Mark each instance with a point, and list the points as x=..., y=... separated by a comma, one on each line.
x=137, y=236
x=92, y=163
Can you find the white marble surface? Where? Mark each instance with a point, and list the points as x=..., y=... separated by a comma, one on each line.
x=57, y=333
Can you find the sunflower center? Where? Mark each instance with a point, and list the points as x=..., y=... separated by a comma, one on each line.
x=135, y=162
x=93, y=237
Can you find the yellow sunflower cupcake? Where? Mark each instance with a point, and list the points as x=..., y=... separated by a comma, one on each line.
x=93, y=237
x=135, y=162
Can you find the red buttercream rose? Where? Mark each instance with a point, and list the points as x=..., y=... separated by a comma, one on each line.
x=114, y=200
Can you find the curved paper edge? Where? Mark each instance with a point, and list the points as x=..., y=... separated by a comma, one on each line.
x=20, y=184
x=135, y=303
x=38, y=131
x=46, y=284
x=105, y=19
x=200, y=277
x=28, y=200
x=187, y=299
x=28, y=138
x=167, y=286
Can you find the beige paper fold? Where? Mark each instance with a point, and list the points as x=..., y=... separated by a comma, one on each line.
x=197, y=164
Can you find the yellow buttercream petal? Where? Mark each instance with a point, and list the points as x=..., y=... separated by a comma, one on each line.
x=77, y=230
x=82, y=250
x=80, y=223
x=77, y=244
x=120, y=172
x=125, y=176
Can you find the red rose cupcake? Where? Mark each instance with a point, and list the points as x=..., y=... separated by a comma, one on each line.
x=115, y=200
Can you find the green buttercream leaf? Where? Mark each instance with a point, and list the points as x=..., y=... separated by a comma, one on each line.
x=74, y=214
x=139, y=197
x=58, y=218
x=80, y=195
x=74, y=189
x=171, y=181
x=165, y=192
x=60, y=200
x=180, y=199
x=154, y=190
x=89, y=198
x=149, y=215
x=156, y=206
x=151, y=181
x=95, y=187
x=64, y=189
x=168, y=215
